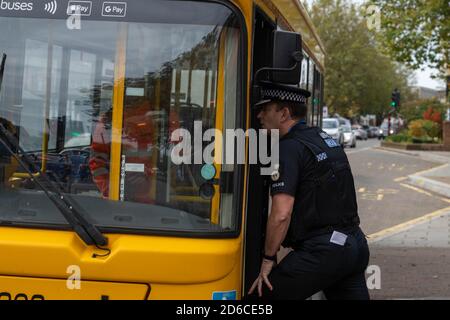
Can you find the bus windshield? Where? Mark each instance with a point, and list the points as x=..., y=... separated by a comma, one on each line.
x=95, y=95
x=330, y=124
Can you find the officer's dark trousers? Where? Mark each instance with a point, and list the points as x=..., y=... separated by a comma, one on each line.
x=317, y=264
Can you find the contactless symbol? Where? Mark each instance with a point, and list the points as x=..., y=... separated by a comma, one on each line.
x=208, y=171
x=51, y=7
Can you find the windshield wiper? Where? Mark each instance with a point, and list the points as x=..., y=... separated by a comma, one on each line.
x=2, y=68
x=72, y=212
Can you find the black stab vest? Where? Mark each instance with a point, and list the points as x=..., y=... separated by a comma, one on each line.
x=325, y=197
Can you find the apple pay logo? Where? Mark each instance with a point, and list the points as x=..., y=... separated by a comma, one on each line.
x=82, y=8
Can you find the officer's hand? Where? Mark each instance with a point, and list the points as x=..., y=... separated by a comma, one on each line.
x=266, y=268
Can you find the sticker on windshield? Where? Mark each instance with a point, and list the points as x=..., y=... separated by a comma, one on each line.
x=208, y=171
x=134, y=167
x=224, y=295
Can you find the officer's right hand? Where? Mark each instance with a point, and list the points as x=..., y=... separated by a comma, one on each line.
x=266, y=268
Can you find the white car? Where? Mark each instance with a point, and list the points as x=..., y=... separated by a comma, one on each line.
x=332, y=128
x=349, y=137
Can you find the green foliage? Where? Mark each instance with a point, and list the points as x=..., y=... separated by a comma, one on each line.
x=424, y=130
x=416, y=32
x=416, y=129
x=431, y=128
x=401, y=137
x=416, y=109
x=359, y=79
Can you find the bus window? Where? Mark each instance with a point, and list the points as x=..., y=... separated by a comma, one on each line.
x=96, y=109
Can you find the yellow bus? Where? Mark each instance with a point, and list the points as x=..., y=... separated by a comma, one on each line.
x=91, y=205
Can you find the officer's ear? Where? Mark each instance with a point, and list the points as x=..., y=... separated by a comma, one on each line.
x=285, y=113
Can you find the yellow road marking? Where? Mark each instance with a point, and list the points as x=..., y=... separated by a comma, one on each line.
x=380, y=197
x=362, y=190
x=377, y=236
x=416, y=189
x=400, y=179
x=424, y=192
x=428, y=170
x=387, y=191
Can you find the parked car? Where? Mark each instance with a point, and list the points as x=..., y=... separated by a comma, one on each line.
x=360, y=133
x=344, y=122
x=373, y=132
x=349, y=137
x=332, y=128
x=367, y=129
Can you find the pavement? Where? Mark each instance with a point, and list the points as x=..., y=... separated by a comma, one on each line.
x=435, y=180
x=433, y=229
x=413, y=254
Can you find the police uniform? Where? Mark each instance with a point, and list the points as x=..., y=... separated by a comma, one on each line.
x=330, y=252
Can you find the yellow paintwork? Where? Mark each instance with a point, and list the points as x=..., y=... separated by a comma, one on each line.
x=161, y=262
x=36, y=260
x=21, y=288
x=218, y=143
x=117, y=116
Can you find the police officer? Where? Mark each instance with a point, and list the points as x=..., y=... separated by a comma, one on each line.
x=314, y=209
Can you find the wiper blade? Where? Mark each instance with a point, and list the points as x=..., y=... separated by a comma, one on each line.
x=2, y=69
x=72, y=212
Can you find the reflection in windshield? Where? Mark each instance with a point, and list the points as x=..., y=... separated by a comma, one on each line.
x=346, y=129
x=60, y=99
x=329, y=124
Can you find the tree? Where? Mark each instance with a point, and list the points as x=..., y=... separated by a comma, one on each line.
x=416, y=32
x=359, y=79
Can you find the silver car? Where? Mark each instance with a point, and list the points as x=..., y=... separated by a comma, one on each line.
x=359, y=131
x=332, y=128
x=349, y=137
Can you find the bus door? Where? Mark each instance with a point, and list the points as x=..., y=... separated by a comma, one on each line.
x=258, y=191
x=272, y=48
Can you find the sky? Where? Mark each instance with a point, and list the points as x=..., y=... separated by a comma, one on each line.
x=422, y=78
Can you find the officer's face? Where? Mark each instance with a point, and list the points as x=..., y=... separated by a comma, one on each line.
x=270, y=117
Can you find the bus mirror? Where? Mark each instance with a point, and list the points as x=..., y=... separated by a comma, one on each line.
x=287, y=54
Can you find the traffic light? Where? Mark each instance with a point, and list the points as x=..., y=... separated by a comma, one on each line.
x=395, y=99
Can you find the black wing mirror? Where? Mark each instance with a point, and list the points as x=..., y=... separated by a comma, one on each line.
x=286, y=59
